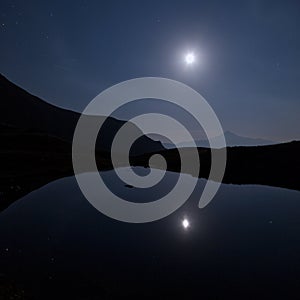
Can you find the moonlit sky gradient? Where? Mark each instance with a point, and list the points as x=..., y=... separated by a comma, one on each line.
x=248, y=61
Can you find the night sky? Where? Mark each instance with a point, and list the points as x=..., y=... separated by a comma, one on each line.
x=248, y=54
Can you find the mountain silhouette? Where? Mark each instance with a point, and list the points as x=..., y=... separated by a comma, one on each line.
x=36, y=139
x=20, y=110
x=231, y=138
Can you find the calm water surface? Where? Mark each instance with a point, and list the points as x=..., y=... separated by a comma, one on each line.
x=245, y=244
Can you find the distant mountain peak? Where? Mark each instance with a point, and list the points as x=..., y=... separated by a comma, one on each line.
x=231, y=138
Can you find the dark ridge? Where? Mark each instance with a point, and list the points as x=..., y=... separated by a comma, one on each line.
x=36, y=140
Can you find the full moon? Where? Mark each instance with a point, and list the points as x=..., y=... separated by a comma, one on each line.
x=185, y=223
x=190, y=58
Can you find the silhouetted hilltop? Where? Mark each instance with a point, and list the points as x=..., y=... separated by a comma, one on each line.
x=23, y=111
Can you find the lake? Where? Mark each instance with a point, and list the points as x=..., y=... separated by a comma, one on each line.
x=245, y=244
